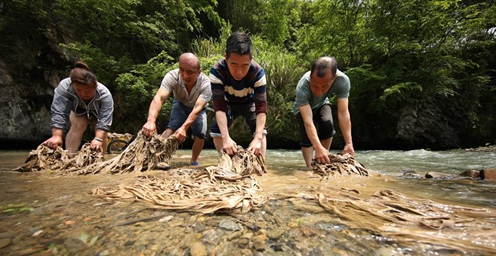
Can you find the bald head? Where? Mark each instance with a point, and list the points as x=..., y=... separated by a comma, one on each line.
x=323, y=65
x=189, y=68
x=189, y=59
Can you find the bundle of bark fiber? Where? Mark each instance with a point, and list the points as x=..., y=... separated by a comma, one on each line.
x=228, y=186
x=59, y=159
x=142, y=154
x=340, y=165
x=392, y=214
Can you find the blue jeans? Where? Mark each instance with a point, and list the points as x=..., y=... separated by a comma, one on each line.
x=246, y=110
x=180, y=113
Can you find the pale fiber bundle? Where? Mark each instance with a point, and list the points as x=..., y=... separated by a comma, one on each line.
x=142, y=154
x=416, y=220
x=228, y=186
x=341, y=165
x=45, y=158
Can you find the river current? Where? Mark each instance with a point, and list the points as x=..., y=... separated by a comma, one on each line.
x=466, y=233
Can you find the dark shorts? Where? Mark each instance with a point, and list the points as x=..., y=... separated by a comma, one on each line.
x=246, y=110
x=322, y=119
x=91, y=114
x=180, y=113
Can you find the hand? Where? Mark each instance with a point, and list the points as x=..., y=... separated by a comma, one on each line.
x=149, y=129
x=255, y=146
x=53, y=142
x=96, y=146
x=322, y=155
x=229, y=146
x=180, y=134
x=348, y=148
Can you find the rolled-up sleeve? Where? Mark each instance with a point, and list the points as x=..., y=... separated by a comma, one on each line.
x=61, y=108
x=106, y=112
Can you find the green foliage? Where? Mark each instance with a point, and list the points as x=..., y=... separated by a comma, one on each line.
x=136, y=90
x=397, y=53
x=283, y=71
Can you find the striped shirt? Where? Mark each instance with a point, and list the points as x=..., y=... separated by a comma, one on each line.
x=227, y=91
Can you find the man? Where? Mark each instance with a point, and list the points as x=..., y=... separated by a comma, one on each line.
x=191, y=90
x=80, y=99
x=313, y=111
x=238, y=89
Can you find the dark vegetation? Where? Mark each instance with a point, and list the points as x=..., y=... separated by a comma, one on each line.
x=422, y=72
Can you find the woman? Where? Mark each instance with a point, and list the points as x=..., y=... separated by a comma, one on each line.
x=80, y=99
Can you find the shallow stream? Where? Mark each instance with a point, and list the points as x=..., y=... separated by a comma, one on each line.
x=44, y=213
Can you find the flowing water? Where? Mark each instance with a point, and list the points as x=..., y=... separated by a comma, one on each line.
x=468, y=230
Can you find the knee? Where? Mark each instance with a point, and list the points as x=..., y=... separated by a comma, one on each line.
x=78, y=127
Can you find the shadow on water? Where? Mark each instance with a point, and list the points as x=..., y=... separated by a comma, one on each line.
x=351, y=220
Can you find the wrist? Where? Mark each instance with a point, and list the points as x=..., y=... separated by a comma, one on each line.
x=98, y=139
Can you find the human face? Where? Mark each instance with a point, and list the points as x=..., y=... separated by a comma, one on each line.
x=189, y=72
x=238, y=65
x=320, y=85
x=85, y=91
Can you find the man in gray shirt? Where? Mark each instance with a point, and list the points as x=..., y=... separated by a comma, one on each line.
x=191, y=90
x=313, y=111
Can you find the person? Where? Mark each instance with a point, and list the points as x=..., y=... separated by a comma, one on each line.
x=191, y=90
x=313, y=110
x=80, y=100
x=238, y=89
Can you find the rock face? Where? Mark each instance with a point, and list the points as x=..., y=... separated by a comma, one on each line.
x=426, y=126
x=24, y=111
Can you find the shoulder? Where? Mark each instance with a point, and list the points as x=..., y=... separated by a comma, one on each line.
x=304, y=80
x=64, y=83
x=255, y=67
x=203, y=80
x=171, y=78
x=342, y=77
x=173, y=74
x=219, y=65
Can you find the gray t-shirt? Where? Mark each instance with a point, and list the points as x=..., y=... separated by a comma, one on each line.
x=304, y=95
x=173, y=83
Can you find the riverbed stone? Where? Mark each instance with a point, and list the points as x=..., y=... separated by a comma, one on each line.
x=436, y=175
x=276, y=233
x=488, y=174
x=474, y=174
x=198, y=249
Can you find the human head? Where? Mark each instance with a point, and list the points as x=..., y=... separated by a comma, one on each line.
x=239, y=43
x=83, y=81
x=189, y=68
x=323, y=72
x=324, y=64
x=239, y=50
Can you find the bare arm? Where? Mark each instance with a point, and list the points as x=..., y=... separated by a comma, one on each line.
x=345, y=125
x=321, y=153
x=149, y=128
x=181, y=131
x=256, y=143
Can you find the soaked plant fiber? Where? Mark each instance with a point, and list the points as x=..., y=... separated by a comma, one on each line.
x=142, y=154
x=228, y=186
x=413, y=220
x=341, y=165
x=59, y=159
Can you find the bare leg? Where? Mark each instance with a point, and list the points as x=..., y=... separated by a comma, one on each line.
x=75, y=134
x=218, y=143
x=168, y=132
x=264, y=146
x=326, y=143
x=196, y=149
x=307, y=153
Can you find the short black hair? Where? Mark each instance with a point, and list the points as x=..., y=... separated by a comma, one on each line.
x=239, y=43
x=324, y=64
